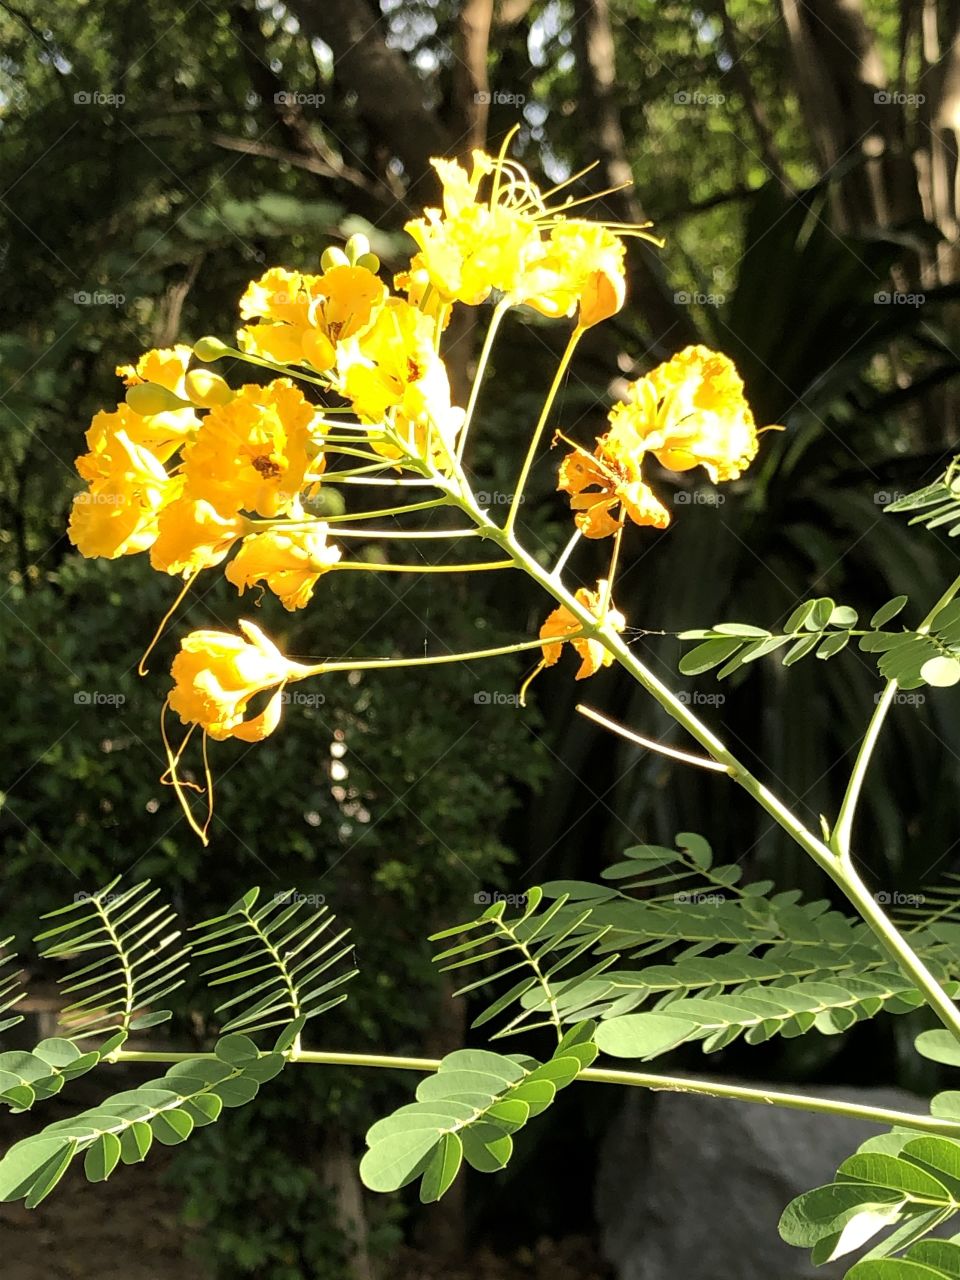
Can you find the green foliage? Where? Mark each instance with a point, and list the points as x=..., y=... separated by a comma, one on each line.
x=748, y=962
x=189, y=1095
x=537, y=942
x=283, y=940
x=137, y=961
x=469, y=1110
x=900, y=1183
x=11, y=991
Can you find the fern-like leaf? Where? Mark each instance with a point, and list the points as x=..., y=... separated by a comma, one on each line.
x=122, y=1129
x=136, y=962
x=937, y=505
x=468, y=1110
x=11, y=990
x=539, y=945
x=282, y=957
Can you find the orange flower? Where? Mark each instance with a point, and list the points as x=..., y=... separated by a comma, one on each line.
x=561, y=624
x=601, y=483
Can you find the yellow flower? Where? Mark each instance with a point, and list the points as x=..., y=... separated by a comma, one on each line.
x=216, y=675
x=601, y=483
x=304, y=317
x=473, y=245
x=561, y=623
x=253, y=454
x=290, y=562
x=163, y=367
x=582, y=266
x=691, y=411
x=393, y=373
x=192, y=536
x=128, y=487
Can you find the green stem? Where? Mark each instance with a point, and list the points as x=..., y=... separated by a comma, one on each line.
x=421, y=568
x=839, y=869
x=843, y=829
x=541, y=423
x=377, y=664
x=632, y=1079
x=499, y=311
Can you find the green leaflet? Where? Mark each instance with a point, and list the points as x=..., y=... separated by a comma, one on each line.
x=132, y=958
x=123, y=1127
x=822, y=627
x=29, y=1077
x=283, y=956
x=758, y=1013
x=468, y=1110
x=11, y=991
x=892, y=1192
x=937, y=505
x=756, y=963
x=534, y=949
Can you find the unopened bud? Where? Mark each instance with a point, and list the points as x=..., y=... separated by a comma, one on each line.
x=147, y=398
x=370, y=261
x=333, y=257
x=356, y=247
x=207, y=349
x=207, y=389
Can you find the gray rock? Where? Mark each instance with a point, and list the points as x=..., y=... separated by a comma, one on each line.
x=693, y=1186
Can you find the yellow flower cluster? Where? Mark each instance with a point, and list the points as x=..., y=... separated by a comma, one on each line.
x=185, y=465
x=495, y=232
x=689, y=412
x=197, y=472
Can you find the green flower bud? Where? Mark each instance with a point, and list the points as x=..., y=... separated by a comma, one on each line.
x=147, y=398
x=208, y=349
x=207, y=389
x=357, y=246
x=333, y=257
x=370, y=261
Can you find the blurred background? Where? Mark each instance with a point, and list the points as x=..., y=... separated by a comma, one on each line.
x=801, y=161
